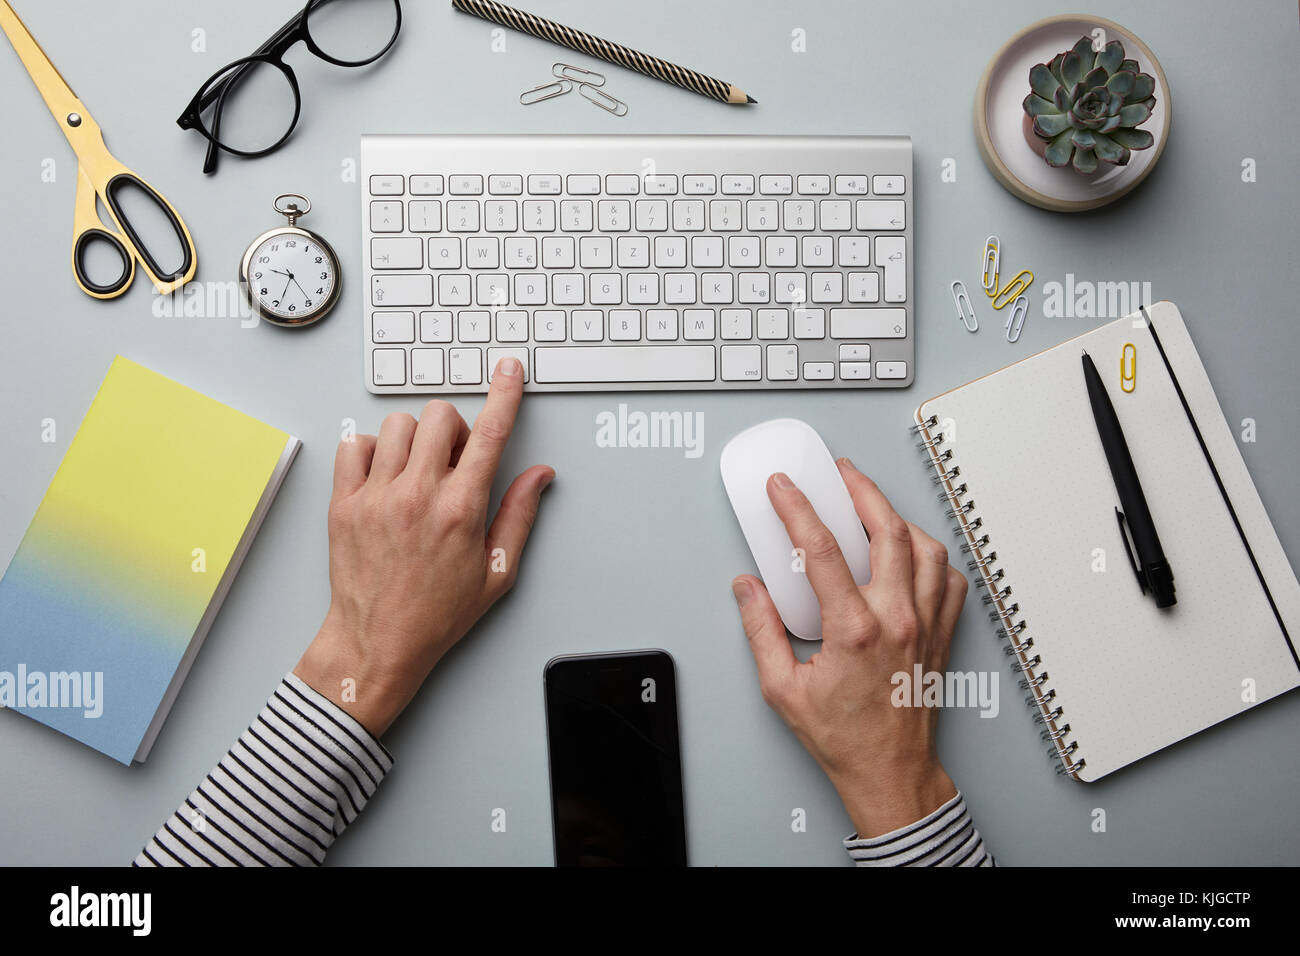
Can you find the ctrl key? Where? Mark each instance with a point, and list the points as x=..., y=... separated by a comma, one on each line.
x=389, y=366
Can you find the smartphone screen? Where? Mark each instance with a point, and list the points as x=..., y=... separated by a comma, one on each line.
x=616, y=775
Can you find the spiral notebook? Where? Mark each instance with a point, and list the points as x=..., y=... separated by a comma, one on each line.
x=1112, y=677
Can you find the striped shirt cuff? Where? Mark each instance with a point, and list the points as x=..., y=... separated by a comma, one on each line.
x=947, y=837
x=291, y=784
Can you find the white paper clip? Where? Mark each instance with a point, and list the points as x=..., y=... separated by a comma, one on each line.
x=992, y=259
x=965, y=311
x=1016, y=320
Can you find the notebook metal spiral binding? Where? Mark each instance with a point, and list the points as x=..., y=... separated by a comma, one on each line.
x=977, y=543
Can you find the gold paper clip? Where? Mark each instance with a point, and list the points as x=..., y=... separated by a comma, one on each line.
x=546, y=91
x=1012, y=289
x=602, y=99
x=965, y=311
x=992, y=257
x=1016, y=320
x=1128, y=367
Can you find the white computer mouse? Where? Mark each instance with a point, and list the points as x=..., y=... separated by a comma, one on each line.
x=794, y=447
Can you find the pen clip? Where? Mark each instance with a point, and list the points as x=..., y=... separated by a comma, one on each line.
x=1124, y=536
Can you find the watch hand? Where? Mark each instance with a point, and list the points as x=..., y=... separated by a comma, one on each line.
x=286, y=289
x=300, y=288
x=278, y=272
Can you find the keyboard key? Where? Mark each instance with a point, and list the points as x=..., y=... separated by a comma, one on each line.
x=453, y=289
x=815, y=185
x=864, y=286
x=700, y=185
x=512, y=326
x=496, y=355
x=398, y=290
x=444, y=253
x=548, y=325
x=855, y=251
x=569, y=288
x=462, y=215
x=798, y=214
x=466, y=185
x=465, y=366
x=737, y=324
x=651, y=215
x=660, y=185
x=706, y=252
x=539, y=215
x=888, y=185
x=389, y=327
x=606, y=288
x=776, y=185
x=388, y=366
x=868, y=323
x=501, y=215
x=661, y=325
x=698, y=324
x=596, y=252
x=406, y=252
x=386, y=215
x=435, y=326
x=851, y=185
x=614, y=215
x=475, y=326
x=791, y=287
x=724, y=215
x=679, y=288
x=622, y=185
x=810, y=323
x=634, y=252
x=742, y=251
x=426, y=185
x=742, y=363
x=836, y=214
x=426, y=366
x=643, y=288
x=850, y=371
x=773, y=323
x=828, y=287
x=482, y=253
x=780, y=252
x=891, y=370
x=818, y=371
x=738, y=185
x=891, y=253
x=760, y=215
x=576, y=215
x=521, y=253
x=855, y=353
x=782, y=363
x=877, y=215
x=755, y=287
x=625, y=325
x=624, y=363
x=588, y=325
x=424, y=215
x=530, y=288
x=818, y=251
x=716, y=288
x=688, y=215
x=505, y=185
x=543, y=185
x=584, y=185
x=670, y=252
x=387, y=185
x=557, y=252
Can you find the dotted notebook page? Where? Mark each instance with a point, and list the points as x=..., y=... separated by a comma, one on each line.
x=1130, y=678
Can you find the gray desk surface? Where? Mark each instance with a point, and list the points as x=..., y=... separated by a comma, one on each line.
x=636, y=548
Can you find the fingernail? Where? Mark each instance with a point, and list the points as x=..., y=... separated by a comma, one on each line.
x=845, y=462
x=510, y=367
x=742, y=590
x=546, y=482
x=782, y=480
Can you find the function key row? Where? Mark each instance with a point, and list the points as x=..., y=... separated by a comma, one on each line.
x=582, y=184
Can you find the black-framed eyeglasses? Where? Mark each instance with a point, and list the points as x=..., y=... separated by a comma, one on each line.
x=251, y=106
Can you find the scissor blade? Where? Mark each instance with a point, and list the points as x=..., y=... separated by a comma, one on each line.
x=54, y=89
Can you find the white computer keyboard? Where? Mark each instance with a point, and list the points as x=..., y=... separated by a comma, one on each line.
x=637, y=262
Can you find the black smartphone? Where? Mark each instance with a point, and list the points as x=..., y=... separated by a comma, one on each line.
x=616, y=771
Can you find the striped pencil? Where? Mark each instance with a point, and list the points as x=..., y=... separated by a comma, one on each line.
x=604, y=50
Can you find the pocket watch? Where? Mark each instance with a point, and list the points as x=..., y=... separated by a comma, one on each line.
x=289, y=275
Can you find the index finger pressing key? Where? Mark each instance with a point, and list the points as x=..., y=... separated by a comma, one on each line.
x=491, y=431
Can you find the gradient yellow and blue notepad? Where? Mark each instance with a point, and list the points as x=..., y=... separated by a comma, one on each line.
x=125, y=551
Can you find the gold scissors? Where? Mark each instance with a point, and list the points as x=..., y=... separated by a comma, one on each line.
x=99, y=174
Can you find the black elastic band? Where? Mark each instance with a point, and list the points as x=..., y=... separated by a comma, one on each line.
x=1222, y=490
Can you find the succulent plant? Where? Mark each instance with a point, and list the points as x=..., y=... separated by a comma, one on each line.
x=1088, y=105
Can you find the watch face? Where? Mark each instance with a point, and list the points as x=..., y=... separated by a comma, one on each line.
x=292, y=276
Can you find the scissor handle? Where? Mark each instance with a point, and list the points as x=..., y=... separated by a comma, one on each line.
x=128, y=245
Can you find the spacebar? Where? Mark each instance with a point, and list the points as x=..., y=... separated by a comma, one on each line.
x=626, y=363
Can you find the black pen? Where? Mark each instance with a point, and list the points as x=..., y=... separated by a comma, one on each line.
x=1146, y=555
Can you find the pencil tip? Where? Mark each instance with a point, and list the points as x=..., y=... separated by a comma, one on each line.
x=750, y=99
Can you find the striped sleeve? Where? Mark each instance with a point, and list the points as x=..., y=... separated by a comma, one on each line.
x=946, y=837
x=291, y=784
